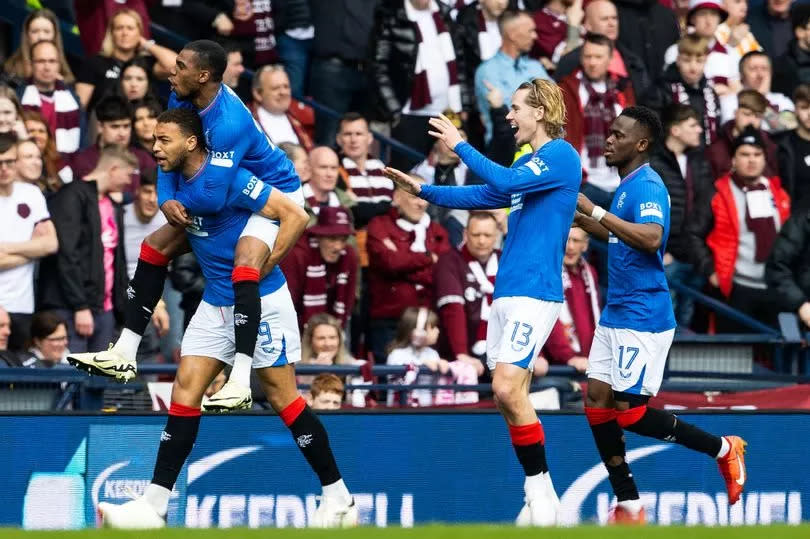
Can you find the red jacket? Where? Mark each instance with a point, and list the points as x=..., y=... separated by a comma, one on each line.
x=724, y=237
x=400, y=279
x=575, y=124
x=302, y=118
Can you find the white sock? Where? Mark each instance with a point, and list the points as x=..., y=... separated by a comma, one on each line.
x=158, y=498
x=128, y=343
x=724, y=448
x=338, y=491
x=634, y=506
x=240, y=373
x=536, y=485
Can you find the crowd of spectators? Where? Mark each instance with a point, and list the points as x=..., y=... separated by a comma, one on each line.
x=380, y=276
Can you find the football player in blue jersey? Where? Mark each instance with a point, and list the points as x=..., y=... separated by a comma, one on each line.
x=209, y=340
x=635, y=331
x=541, y=191
x=235, y=140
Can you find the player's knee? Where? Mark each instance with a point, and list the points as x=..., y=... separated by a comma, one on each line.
x=598, y=396
x=250, y=252
x=183, y=393
x=160, y=243
x=506, y=392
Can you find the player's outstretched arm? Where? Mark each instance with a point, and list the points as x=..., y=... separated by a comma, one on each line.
x=528, y=177
x=292, y=221
x=467, y=197
x=642, y=236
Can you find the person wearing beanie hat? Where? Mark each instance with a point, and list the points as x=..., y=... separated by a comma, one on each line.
x=731, y=243
x=322, y=268
x=750, y=112
x=722, y=69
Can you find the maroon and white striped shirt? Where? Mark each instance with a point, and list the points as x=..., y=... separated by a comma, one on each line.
x=370, y=186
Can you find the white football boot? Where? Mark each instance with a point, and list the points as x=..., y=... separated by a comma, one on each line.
x=232, y=396
x=333, y=514
x=110, y=363
x=136, y=514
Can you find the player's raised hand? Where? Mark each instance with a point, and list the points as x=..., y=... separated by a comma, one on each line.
x=444, y=130
x=175, y=213
x=403, y=181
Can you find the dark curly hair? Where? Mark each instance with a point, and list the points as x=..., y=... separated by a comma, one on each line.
x=649, y=120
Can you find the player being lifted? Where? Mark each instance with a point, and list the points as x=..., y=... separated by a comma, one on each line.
x=635, y=331
x=541, y=191
x=235, y=141
x=208, y=343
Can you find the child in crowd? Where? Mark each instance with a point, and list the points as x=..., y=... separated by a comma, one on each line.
x=417, y=333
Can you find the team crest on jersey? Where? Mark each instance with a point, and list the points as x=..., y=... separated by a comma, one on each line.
x=208, y=137
x=621, y=199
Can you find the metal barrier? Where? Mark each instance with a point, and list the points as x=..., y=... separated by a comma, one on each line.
x=65, y=388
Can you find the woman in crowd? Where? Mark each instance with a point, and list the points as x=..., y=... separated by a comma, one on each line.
x=323, y=344
x=49, y=340
x=11, y=113
x=135, y=82
x=57, y=173
x=144, y=119
x=123, y=41
x=300, y=160
x=40, y=25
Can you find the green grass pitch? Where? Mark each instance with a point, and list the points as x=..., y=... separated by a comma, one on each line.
x=436, y=532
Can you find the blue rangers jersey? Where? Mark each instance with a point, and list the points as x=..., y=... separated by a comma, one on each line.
x=213, y=237
x=541, y=191
x=234, y=140
x=638, y=295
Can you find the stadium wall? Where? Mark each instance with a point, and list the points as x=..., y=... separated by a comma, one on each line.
x=404, y=468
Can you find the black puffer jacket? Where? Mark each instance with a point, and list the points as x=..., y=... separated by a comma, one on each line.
x=788, y=268
x=666, y=165
x=73, y=278
x=797, y=187
x=393, y=52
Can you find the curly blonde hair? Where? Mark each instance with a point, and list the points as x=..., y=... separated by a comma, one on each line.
x=545, y=93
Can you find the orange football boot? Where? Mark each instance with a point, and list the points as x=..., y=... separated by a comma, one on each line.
x=732, y=467
x=621, y=516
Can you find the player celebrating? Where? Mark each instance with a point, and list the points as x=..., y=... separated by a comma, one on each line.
x=235, y=141
x=635, y=331
x=541, y=189
x=209, y=339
